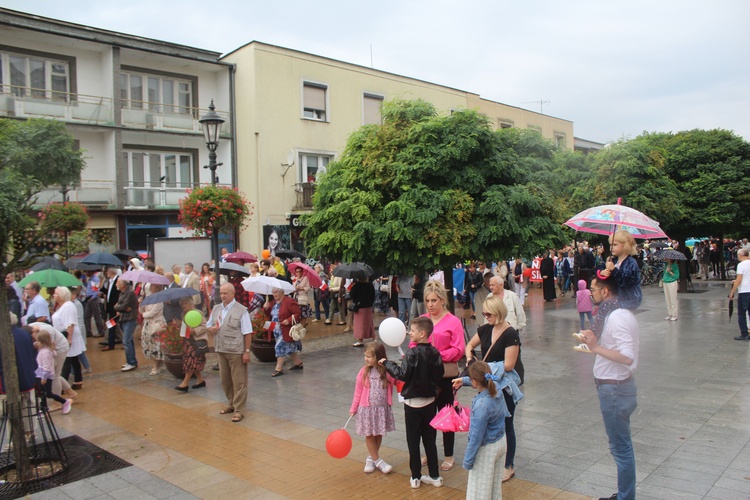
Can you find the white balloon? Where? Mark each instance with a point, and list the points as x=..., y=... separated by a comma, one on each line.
x=392, y=331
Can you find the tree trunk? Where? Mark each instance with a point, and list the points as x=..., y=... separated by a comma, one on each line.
x=13, y=393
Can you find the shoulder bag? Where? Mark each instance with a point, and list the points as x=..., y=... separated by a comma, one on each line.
x=297, y=332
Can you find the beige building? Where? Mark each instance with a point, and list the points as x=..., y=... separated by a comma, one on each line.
x=295, y=111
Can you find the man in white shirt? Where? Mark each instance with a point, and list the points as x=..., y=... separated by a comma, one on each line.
x=516, y=315
x=231, y=325
x=37, y=306
x=616, y=359
x=741, y=286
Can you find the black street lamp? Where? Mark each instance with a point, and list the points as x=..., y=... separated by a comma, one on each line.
x=211, y=123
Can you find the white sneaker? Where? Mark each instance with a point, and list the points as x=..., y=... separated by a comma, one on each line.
x=383, y=466
x=668, y=318
x=87, y=370
x=66, y=406
x=315, y=320
x=582, y=348
x=578, y=336
x=436, y=482
x=415, y=483
x=673, y=318
x=128, y=368
x=369, y=465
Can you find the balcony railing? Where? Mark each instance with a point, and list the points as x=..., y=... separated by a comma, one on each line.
x=103, y=195
x=305, y=192
x=94, y=194
x=26, y=102
x=163, y=197
x=157, y=116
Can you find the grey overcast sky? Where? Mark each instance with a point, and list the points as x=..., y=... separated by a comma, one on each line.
x=615, y=68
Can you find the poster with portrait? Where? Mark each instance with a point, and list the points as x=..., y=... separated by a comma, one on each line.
x=276, y=238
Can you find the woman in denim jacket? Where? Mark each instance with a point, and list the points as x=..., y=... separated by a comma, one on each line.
x=485, y=451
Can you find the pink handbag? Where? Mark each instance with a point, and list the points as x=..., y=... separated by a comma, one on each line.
x=452, y=418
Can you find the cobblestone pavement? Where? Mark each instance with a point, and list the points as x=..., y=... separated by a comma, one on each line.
x=691, y=429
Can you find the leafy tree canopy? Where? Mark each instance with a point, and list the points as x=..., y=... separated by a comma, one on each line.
x=34, y=154
x=424, y=190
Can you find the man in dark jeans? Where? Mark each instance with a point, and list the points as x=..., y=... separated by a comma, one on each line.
x=583, y=268
x=472, y=284
x=111, y=295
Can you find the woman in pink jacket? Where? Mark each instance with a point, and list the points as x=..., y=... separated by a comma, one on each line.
x=448, y=338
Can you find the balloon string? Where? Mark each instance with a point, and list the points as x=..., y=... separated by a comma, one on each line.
x=400, y=351
x=347, y=422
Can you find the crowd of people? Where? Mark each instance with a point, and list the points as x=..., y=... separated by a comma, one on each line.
x=605, y=285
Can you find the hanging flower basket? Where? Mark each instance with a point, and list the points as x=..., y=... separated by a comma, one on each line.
x=212, y=208
x=64, y=217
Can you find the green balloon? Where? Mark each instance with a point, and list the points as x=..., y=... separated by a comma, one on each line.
x=193, y=318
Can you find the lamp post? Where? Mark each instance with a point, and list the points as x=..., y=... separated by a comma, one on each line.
x=211, y=123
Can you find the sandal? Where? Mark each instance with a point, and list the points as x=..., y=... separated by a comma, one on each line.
x=297, y=367
x=446, y=465
x=237, y=417
x=277, y=373
x=227, y=410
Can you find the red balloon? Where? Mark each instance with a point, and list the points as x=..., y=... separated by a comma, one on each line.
x=339, y=443
x=527, y=272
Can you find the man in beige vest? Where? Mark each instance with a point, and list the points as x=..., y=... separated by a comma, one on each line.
x=230, y=323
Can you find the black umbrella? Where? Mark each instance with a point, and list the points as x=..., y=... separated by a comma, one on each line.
x=731, y=308
x=290, y=254
x=670, y=254
x=126, y=252
x=49, y=263
x=169, y=294
x=226, y=267
x=102, y=259
x=355, y=270
x=658, y=244
x=75, y=263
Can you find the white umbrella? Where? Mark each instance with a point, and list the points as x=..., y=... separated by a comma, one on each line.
x=265, y=285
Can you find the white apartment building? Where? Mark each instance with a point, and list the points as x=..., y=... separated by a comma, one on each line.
x=133, y=105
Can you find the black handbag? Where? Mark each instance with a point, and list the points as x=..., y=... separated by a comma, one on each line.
x=353, y=307
x=201, y=346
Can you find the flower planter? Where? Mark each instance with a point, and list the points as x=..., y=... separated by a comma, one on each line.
x=264, y=350
x=173, y=362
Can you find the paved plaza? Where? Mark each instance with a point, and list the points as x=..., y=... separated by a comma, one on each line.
x=690, y=431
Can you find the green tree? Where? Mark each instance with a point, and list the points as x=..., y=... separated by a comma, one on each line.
x=34, y=154
x=634, y=170
x=423, y=191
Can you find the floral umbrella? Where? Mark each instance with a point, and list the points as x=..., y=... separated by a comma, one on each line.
x=606, y=219
x=312, y=274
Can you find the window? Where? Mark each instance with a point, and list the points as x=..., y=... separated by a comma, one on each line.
x=371, y=104
x=535, y=128
x=34, y=76
x=503, y=123
x=151, y=169
x=314, y=101
x=311, y=165
x=560, y=139
x=160, y=94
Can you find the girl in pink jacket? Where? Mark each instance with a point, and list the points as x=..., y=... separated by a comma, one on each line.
x=584, y=304
x=373, y=397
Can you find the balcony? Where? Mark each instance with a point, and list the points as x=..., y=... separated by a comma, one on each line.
x=156, y=116
x=161, y=198
x=23, y=102
x=92, y=194
x=305, y=192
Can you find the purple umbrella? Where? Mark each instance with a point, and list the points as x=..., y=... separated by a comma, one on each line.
x=144, y=276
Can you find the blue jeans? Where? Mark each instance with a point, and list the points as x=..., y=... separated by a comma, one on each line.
x=617, y=403
x=582, y=316
x=128, y=329
x=404, y=306
x=743, y=304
